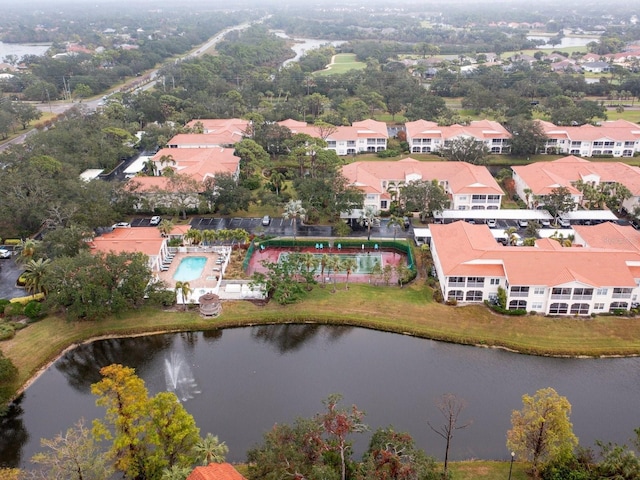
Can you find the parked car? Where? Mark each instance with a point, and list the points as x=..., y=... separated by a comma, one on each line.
x=4, y=253
x=545, y=223
x=266, y=220
x=406, y=222
x=523, y=223
x=564, y=223
x=121, y=225
x=492, y=223
x=155, y=220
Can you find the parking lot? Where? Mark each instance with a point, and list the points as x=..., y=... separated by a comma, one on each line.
x=9, y=273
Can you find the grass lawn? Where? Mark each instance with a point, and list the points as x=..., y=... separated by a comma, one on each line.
x=342, y=63
x=486, y=470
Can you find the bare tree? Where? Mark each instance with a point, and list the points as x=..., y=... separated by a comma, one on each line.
x=450, y=406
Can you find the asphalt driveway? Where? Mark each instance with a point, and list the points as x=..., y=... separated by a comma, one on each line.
x=9, y=273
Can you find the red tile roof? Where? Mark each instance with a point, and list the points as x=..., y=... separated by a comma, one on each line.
x=542, y=177
x=462, y=177
x=470, y=250
x=147, y=240
x=216, y=471
x=480, y=129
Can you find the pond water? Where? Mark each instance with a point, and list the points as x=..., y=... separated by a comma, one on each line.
x=239, y=382
x=22, y=49
x=565, y=42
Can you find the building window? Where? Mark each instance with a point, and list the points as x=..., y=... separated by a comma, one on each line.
x=538, y=291
x=474, y=296
x=478, y=199
x=558, y=308
x=493, y=198
x=456, y=282
x=331, y=144
x=456, y=295
x=536, y=306
x=475, y=282
x=495, y=281
x=618, y=306
x=518, y=305
x=582, y=294
x=580, y=309
x=383, y=204
x=598, y=306
x=602, y=291
x=519, y=291
x=561, y=293
x=622, y=292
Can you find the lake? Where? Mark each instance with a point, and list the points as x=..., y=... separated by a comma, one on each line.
x=22, y=49
x=303, y=45
x=238, y=382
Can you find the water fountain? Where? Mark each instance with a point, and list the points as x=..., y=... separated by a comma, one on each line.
x=179, y=377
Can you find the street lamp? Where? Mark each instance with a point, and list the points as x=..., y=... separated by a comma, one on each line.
x=513, y=456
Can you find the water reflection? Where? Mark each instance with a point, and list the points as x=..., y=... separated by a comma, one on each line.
x=13, y=434
x=289, y=338
x=81, y=366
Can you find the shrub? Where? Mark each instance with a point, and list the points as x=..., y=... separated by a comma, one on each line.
x=3, y=303
x=12, y=241
x=437, y=295
x=451, y=301
x=33, y=310
x=164, y=298
x=8, y=370
x=7, y=331
x=13, y=310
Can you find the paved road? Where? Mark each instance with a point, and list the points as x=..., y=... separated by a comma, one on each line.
x=9, y=273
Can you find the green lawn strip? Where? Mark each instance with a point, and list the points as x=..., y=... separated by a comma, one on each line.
x=487, y=470
x=397, y=310
x=342, y=63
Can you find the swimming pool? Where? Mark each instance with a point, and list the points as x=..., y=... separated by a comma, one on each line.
x=189, y=269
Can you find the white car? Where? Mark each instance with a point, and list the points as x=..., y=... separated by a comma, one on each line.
x=121, y=225
x=491, y=223
x=523, y=223
x=155, y=220
x=545, y=223
x=4, y=253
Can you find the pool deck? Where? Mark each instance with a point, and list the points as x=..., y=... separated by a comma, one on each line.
x=207, y=280
x=210, y=280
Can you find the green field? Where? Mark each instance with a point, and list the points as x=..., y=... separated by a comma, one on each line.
x=342, y=63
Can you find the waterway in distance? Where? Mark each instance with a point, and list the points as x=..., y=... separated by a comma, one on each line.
x=239, y=382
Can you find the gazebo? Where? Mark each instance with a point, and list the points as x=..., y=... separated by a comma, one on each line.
x=210, y=305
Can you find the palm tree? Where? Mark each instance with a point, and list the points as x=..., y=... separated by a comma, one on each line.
x=194, y=236
x=324, y=263
x=209, y=236
x=175, y=472
x=294, y=210
x=35, y=271
x=376, y=272
x=166, y=160
x=210, y=450
x=349, y=265
x=165, y=227
x=277, y=180
x=185, y=290
x=368, y=216
x=26, y=250
x=395, y=223
x=334, y=264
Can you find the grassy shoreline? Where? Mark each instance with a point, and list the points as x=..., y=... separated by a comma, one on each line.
x=408, y=311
